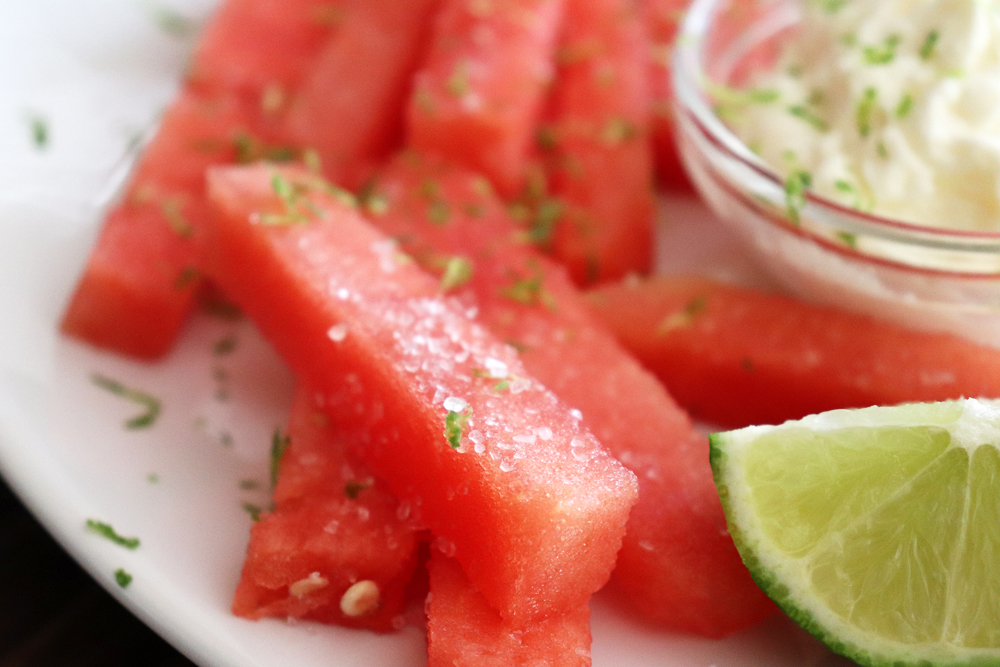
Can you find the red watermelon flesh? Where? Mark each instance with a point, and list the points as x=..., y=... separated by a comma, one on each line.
x=663, y=18
x=736, y=356
x=480, y=91
x=350, y=106
x=128, y=299
x=262, y=48
x=462, y=629
x=335, y=548
x=600, y=163
x=506, y=478
x=677, y=560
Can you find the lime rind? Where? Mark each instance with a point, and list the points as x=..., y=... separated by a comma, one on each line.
x=786, y=581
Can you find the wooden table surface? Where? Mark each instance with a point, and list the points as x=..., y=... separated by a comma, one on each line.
x=53, y=614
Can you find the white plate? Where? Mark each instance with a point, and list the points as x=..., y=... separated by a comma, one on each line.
x=98, y=71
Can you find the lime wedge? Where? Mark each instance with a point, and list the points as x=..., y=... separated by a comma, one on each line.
x=876, y=530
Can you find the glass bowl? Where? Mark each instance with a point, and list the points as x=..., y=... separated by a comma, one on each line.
x=929, y=278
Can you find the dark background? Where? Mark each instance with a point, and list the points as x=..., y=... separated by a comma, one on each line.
x=53, y=614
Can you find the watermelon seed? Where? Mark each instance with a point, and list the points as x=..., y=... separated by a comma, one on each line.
x=361, y=599
x=313, y=582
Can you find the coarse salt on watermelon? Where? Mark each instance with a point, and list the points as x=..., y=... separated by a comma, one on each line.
x=488, y=459
x=677, y=560
x=349, y=109
x=479, y=93
x=462, y=629
x=334, y=549
x=600, y=162
x=736, y=356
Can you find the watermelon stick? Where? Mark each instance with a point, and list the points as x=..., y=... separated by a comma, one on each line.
x=481, y=88
x=335, y=548
x=663, y=17
x=677, y=561
x=350, y=107
x=737, y=356
x=462, y=629
x=599, y=155
x=501, y=472
x=143, y=273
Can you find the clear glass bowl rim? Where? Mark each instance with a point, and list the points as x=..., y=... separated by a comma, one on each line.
x=691, y=98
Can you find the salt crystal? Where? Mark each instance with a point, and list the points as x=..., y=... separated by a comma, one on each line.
x=495, y=367
x=455, y=404
x=338, y=332
x=544, y=432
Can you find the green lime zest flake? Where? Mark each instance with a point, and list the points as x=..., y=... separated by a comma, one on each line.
x=685, y=317
x=519, y=346
x=881, y=54
x=796, y=185
x=882, y=150
x=123, y=578
x=152, y=405
x=747, y=365
x=253, y=510
x=39, y=127
x=804, y=113
x=458, y=83
x=187, y=277
x=848, y=239
x=729, y=95
x=457, y=272
x=454, y=423
x=107, y=532
x=475, y=210
x=249, y=484
x=172, y=22
x=373, y=201
x=865, y=110
x=153, y=478
x=929, y=45
x=439, y=212
x=530, y=290
x=904, y=107
x=250, y=148
x=289, y=196
x=297, y=208
x=172, y=210
x=545, y=138
x=224, y=346
x=312, y=161
x=617, y=131
x=543, y=223
x=831, y=6
x=354, y=487
x=730, y=101
x=279, y=444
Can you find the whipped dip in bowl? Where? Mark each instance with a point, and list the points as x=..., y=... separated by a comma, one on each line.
x=855, y=145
